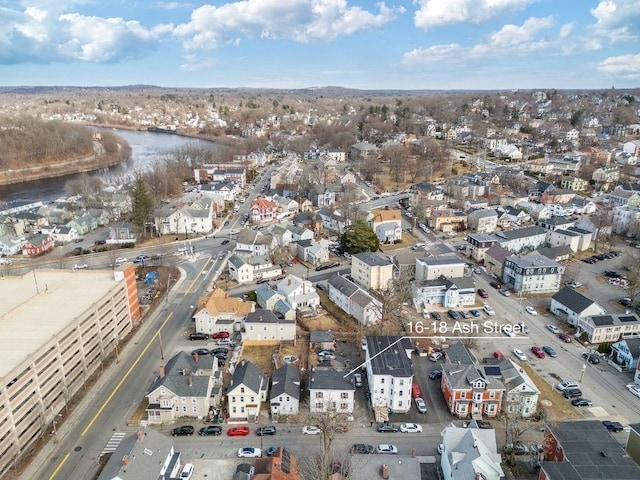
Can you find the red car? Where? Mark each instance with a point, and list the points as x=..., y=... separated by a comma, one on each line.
x=483, y=293
x=498, y=354
x=238, y=431
x=537, y=351
x=565, y=337
x=220, y=335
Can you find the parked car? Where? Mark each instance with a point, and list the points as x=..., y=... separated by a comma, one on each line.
x=633, y=388
x=225, y=241
x=224, y=341
x=436, y=316
x=496, y=285
x=572, y=393
x=505, y=292
x=592, y=358
x=266, y=430
x=357, y=378
x=625, y=301
x=310, y=430
x=217, y=335
x=239, y=431
x=182, y=431
x=199, y=336
x=420, y=405
x=386, y=448
x=519, y=354
x=362, y=448
x=488, y=310
x=80, y=266
x=553, y=329
x=499, y=355
x=562, y=386
x=200, y=351
x=435, y=374
x=387, y=428
x=249, y=452
x=410, y=427
x=581, y=402
x=549, y=351
x=537, y=351
x=573, y=284
x=565, y=337
x=474, y=312
x=612, y=426
x=415, y=390
x=271, y=451
x=530, y=310
x=435, y=356
x=210, y=430
x=453, y=314
x=187, y=471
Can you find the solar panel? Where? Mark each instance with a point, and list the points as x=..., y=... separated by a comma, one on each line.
x=628, y=318
x=285, y=462
x=492, y=370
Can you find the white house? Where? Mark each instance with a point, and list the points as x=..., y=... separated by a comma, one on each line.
x=571, y=306
x=430, y=268
x=532, y=274
x=250, y=269
x=626, y=352
x=329, y=390
x=445, y=292
x=222, y=313
x=389, y=372
x=196, y=218
x=371, y=271
x=284, y=397
x=254, y=242
x=521, y=393
x=247, y=392
x=387, y=224
x=299, y=293
x=354, y=300
x=265, y=325
x=608, y=327
x=470, y=453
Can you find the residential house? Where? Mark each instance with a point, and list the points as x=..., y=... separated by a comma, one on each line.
x=83, y=224
x=623, y=198
x=362, y=151
x=625, y=220
x=557, y=254
x=445, y=292
x=62, y=234
x=196, y=218
x=389, y=372
x=516, y=216
x=333, y=220
x=555, y=223
x=371, y=271
x=482, y=221
x=387, y=224
x=475, y=204
x=478, y=244
x=287, y=233
x=347, y=177
x=225, y=190
x=532, y=274
x=470, y=453
x=404, y=262
x=448, y=265
x=300, y=294
x=240, y=270
x=574, y=183
x=221, y=313
x=281, y=466
x=606, y=175
x=267, y=326
x=37, y=244
x=183, y=388
x=571, y=306
x=11, y=245
x=494, y=259
x=284, y=397
x=336, y=154
x=607, y=328
x=353, y=300
x=447, y=220
x=527, y=238
x=310, y=251
x=246, y=393
x=304, y=204
x=27, y=222
x=131, y=458
x=421, y=193
x=576, y=239
x=262, y=211
x=254, y=242
x=267, y=297
x=249, y=269
x=121, y=232
x=626, y=353
x=321, y=196
x=536, y=211
x=287, y=207
x=584, y=450
x=557, y=195
x=468, y=391
x=330, y=390
x=521, y=394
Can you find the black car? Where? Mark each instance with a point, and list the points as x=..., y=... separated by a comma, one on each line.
x=626, y=302
x=435, y=374
x=199, y=336
x=210, y=430
x=362, y=448
x=387, y=428
x=453, y=314
x=572, y=393
x=263, y=280
x=200, y=351
x=226, y=223
x=319, y=268
x=612, y=426
x=219, y=351
x=591, y=357
x=182, y=431
x=268, y=430
x=581, y=402
x=271, y=451
x=225, y=241
x=496, y=285
x=436, y=316
x=334, y=264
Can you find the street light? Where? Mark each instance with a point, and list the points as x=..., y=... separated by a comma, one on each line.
x=115, y=337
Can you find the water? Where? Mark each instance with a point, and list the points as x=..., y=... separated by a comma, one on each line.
x=146, y=148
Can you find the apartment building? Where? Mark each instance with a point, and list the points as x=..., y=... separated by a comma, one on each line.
x=372, y=271
x=40, y=376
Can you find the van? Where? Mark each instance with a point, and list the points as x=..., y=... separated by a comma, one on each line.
x=415, y=391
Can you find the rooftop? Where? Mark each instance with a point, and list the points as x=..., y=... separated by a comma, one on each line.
x=386, y=360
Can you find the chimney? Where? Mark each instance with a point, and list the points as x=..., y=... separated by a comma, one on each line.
x=195, y=357
x=140, y=434
x=475, y=442
x=190, y=380
x=161, y=371
x=184, y=371
x=289, y=282
x=125, y=460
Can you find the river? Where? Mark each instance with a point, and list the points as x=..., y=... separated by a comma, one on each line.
x=146, y=148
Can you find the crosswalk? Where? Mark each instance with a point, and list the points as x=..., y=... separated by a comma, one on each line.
x=113, y=443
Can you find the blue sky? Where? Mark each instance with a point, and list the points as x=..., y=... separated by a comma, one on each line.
x=401, y=44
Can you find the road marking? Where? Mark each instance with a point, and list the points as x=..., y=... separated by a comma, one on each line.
x=126, y=375
x=64, y=460
x=113, y=442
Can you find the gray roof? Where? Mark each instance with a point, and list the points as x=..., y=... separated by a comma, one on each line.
x=321, y=337
x=286, y=379
x=262, y=315
x=446, y=259
x=247, y=374
x=634, y=346
x=573, y=300
x=462, y=376
x=236, y=260
x=498, y=252
x=393, y=361
x=248, y=236
x=521, y=233
x=372, y=259
x=531, y=261
x=555, y=252
x=330, y=379
x=468, y=447
x=344, y=286
x=458, y=353
x=590, y=452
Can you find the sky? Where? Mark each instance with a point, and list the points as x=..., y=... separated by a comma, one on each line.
x=290, y=44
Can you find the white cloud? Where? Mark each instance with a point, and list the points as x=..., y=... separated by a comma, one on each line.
x=617, y=20
x=566, y=30
x=510, y=39
x=47, y=33
x=432, y=13
x=625, y=66
x=196, y=63
x=297, y=20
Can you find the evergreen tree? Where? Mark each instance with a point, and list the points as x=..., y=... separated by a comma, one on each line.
x=142, y=203
x=358, y=237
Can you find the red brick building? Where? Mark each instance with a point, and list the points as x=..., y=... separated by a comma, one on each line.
x=37, y=245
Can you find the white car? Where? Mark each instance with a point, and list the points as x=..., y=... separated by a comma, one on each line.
x=530, y=310
x=410, y=428
x=224, y=341
x=519, y=354
x=553, y=329
x=435, y=356
x=363, y=344
x=249, y=452
x=488, y=310
x=633, y=388
x=187, y=471
x=118, y=261
x=80, y=266
x=573, y=284
x=420, y=405
x=310, y=430
x=387, y=448
x=567, y=384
